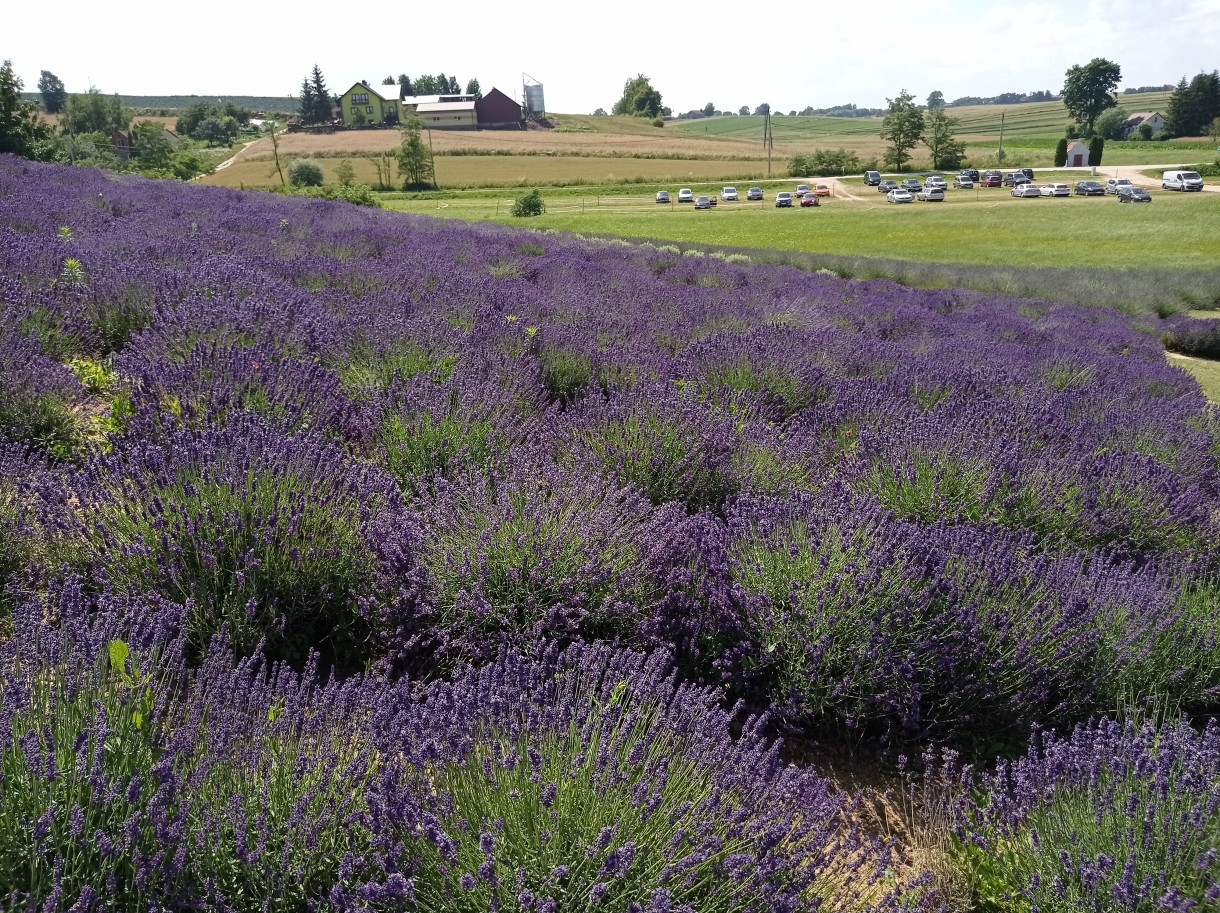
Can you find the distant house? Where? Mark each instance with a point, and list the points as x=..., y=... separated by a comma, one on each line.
x=1152, y=118
x=123, y=142
x=1077, y=154
x=362, y=104
x=497, y=111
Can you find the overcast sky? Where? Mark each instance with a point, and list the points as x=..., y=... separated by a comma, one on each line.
x=583, y=53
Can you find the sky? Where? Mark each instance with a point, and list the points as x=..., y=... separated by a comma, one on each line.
x=717, y=52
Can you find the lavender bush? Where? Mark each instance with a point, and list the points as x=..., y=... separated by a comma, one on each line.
x=276, y=536
x=1115, y=816
x=592, y=778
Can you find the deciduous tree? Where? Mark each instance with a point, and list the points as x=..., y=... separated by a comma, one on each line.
x=709, y=109
x=743, y=110
x=639, y=98
x=94, y=112
x=473, y=88
x=1109, y=124
x=936, y=100
x=1089, y=90
x=54, y=95
x=414, y=159
x=938, y=135
x=903, y=128
x=22, y=131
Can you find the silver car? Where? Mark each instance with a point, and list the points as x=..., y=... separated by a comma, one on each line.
x=729, y=194
x=685, y=195
x=1026, y=190
x=899, y=195
x=963, y=182
x=1056, y=190
x=783, y=198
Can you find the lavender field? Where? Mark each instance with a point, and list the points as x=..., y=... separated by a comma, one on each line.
x=360, y=561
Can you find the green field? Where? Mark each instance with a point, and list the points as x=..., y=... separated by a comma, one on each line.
x=985, y=227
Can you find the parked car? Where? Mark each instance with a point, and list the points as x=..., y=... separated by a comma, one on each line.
x=685, y=195
x=1133, y=194
x=1013, y=178
x=886, y=186
x=783, y=198
x=1028, y=172
x=991, y=179
x=810, y=199
x=911, y=184
x=729, y=194
x=963, y=182
x=931, y=194
x=801, y=190
x=899, y=195
x=702, y=202
x=1026, y=189
x=1056, y=190
x=662, y=196
x=1113, y=184
x=872, y=178
x=972, y=173
x=1181, y=180
x=822, y=190
x=754, y=193
x=936, y=181
x=1089, y=189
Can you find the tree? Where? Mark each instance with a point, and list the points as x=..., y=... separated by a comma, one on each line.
x=1061, y=152
x=903, y=128
x=94, y=112
x=1192, y=106
x=763, y=109
x=22, y=132
x=305, y=173
x=639, y=98
x=936, y=100
x=322, y=111
x=425, y=85
x=1109, y=124
x=1089, y=90
x=389, y=81
x=709, y=109
x=307, y=107
x=938, y=136
x=345, y=173
x=151, y=145
x=414, y=159
x=1213, y=130
x=404, y=86
x=743, y=110
x=1097, y=145
x=600, y=112
x=529, y=204
x=54, y=95
x=473, y=88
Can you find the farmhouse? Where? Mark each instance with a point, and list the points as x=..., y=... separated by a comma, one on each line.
x=1152, y=118
x=362, y=104
x=1077, y=154
x=123, y=142
x=495, y=110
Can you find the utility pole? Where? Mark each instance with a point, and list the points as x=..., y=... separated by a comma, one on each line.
x=999, y=153
x=768, y=138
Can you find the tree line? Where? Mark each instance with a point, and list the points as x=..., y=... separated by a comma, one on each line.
x=89, y=120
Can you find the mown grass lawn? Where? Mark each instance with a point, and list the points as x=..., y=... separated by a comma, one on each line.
x=1205, y=371
x=1174, y=231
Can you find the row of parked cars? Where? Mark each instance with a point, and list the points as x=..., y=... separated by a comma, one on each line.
x=808, y=196
x=1022, y=183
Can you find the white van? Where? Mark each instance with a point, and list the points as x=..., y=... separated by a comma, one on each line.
x=1181, y=180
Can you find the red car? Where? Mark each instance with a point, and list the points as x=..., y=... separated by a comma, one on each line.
x=810, y=199
x=991, y=179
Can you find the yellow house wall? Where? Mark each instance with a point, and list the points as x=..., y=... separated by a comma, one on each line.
x=379, y=108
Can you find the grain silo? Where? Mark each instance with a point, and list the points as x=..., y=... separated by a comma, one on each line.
x=535, y=105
